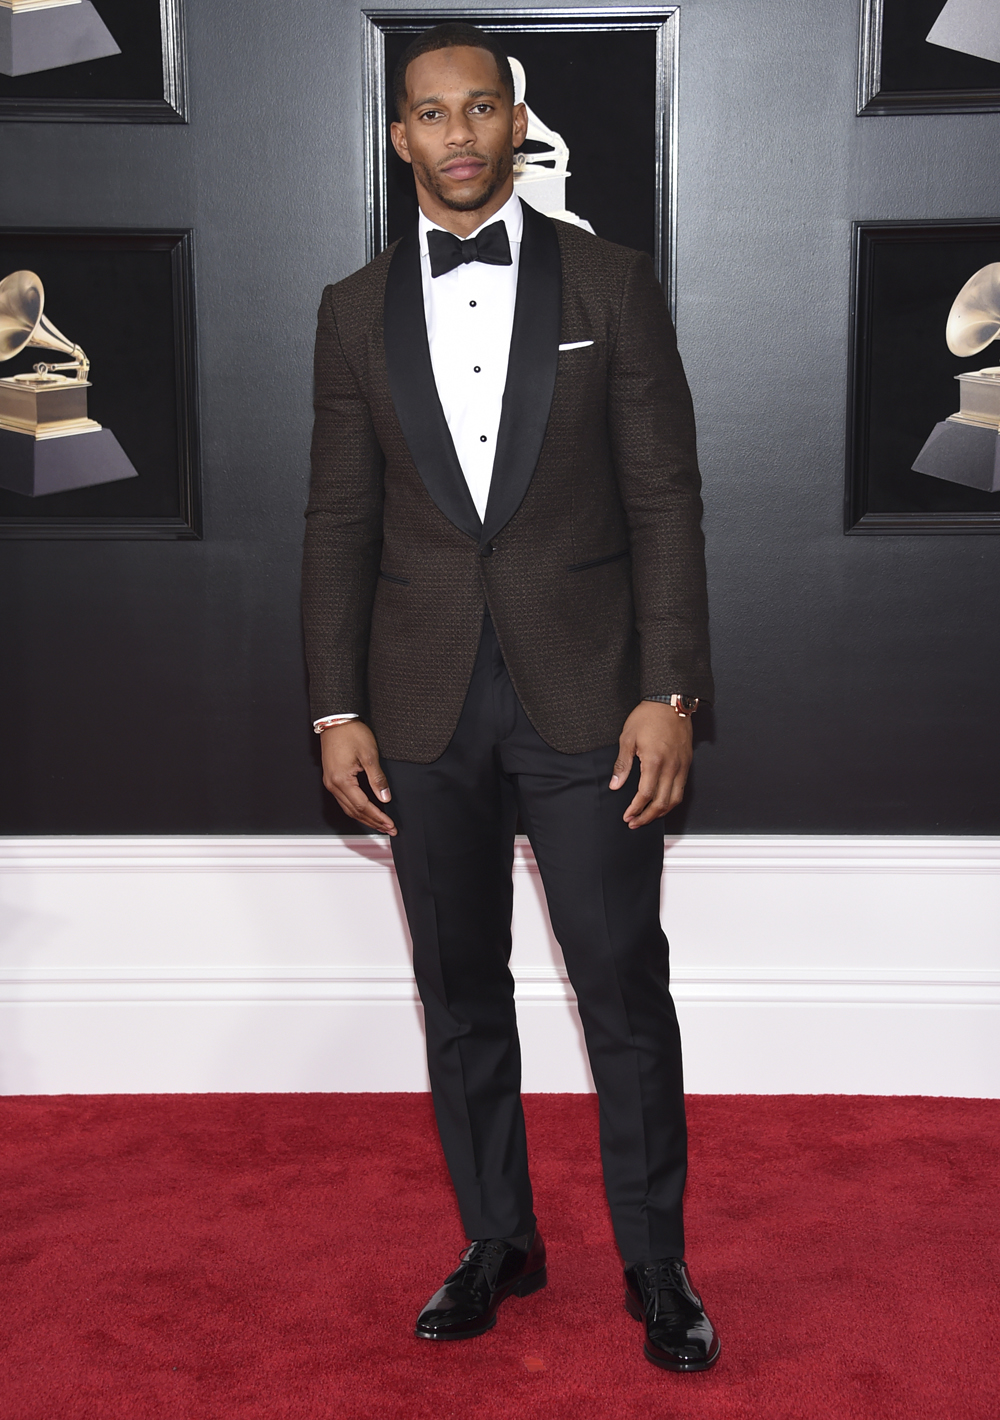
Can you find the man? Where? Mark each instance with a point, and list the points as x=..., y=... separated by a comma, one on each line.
x=505, y=614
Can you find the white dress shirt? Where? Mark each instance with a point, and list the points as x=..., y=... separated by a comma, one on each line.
x=470, y=315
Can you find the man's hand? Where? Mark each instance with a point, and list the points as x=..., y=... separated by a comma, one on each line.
x=662, y=740
x=349, y=750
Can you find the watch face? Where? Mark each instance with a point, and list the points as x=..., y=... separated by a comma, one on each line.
x=687, y=703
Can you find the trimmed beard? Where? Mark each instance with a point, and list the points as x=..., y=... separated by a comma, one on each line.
x=498, y=174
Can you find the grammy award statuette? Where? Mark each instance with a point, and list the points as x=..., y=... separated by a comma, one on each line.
x=965, y=447
x=48, y=444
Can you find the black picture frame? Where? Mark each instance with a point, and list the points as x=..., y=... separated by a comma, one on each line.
x=126, y=295
x=647, y=38
x=899, y=72
x=145, y=83
x=906, y=276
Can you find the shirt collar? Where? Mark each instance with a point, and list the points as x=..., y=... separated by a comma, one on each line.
x=510, y=214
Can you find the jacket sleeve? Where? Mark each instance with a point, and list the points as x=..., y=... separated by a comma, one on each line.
x=343, y=530
x=651, y=425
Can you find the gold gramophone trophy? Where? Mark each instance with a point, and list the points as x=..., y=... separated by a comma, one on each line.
x=965, y=447
x=49, y=34
x=47, y=442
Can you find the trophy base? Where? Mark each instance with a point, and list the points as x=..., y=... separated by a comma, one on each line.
x=51, y=38
x=970, y=27
x=962, y=453
x=35, y=467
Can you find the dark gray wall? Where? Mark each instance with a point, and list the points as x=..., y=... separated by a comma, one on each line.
x=158, y=687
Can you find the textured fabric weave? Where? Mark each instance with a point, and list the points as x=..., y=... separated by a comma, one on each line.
x=596, y=585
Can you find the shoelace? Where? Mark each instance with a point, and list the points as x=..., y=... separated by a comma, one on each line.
x=663, y=1285
x=484, y=1257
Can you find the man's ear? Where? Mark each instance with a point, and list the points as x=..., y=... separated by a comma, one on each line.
x=397, y=132
x=520, y=124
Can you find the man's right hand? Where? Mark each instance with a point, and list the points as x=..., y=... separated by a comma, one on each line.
x=349, y=750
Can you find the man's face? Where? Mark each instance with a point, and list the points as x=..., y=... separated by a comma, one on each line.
x=459, y=128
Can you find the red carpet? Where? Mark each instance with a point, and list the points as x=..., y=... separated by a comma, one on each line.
x=200, y=1257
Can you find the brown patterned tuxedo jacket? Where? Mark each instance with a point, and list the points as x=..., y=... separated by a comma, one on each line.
x=590, y=557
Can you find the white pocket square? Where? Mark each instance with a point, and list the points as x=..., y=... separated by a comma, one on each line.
x=576, y=344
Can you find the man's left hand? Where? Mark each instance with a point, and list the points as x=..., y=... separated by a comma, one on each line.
x=662, y=740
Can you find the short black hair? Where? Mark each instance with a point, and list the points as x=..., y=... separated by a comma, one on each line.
x=453, y=35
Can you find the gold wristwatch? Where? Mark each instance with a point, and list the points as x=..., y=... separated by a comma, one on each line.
x=684, y=705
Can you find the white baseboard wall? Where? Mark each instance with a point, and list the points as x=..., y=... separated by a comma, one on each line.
x=800, y=965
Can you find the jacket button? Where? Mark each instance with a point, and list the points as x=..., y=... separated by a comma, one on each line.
x=488, y=550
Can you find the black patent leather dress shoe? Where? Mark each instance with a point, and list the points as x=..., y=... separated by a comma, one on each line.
x=489, y=1273
x=679, y=1336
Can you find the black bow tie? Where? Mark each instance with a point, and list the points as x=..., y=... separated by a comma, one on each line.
x=448, y=251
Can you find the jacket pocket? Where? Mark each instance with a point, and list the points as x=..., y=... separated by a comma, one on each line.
x=598, y=561
x=388, y=577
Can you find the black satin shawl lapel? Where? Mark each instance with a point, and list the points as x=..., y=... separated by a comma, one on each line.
x=414, y=393
x=531, y=370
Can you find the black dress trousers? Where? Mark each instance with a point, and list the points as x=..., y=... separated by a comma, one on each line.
x=454, y=857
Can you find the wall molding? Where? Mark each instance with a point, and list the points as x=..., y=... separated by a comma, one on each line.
x=269, y=963
x=905, y=988
x=729, y=853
